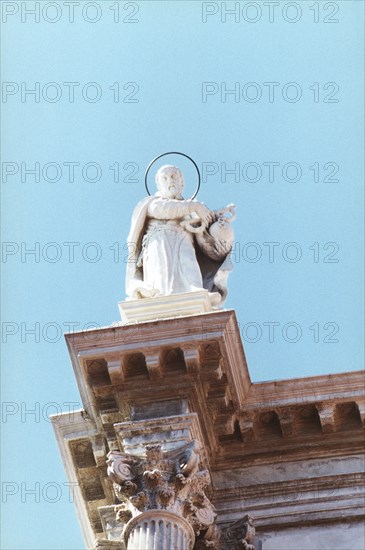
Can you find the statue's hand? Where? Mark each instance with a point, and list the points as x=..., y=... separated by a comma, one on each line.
x=204, y=213
x=194, y=225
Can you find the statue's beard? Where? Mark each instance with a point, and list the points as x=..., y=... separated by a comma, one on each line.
x=168, y=195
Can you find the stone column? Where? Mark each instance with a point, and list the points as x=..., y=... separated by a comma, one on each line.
x=163, y=504
x=160, y=530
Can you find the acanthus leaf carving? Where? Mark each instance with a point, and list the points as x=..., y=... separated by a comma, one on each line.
x=168, y=481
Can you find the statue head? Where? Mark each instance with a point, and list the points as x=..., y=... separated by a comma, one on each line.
x=170, y=182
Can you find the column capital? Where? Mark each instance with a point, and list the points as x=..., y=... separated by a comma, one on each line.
x=166, y=481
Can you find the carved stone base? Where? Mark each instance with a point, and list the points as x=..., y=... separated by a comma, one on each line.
x=176, y=305
x=158, y=530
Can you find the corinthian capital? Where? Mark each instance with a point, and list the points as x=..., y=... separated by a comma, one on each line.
x=169, y=481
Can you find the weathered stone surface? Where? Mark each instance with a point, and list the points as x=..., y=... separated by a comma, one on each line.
x=289, y=453
x=313, y=537
x=168, y=481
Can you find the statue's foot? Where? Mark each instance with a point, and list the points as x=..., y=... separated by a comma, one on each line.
x=142, y=292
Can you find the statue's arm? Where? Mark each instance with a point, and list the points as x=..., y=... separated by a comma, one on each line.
x=173, y=209
x=169, y=209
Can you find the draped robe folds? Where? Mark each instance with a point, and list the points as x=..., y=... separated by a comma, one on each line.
x=166, y=257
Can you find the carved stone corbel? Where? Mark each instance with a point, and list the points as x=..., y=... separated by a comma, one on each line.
x=326, y=412
x=115, y=370
x=286, y=420
x=192, y=360
x=153, y=365
x=238, y=535
x=246, y=423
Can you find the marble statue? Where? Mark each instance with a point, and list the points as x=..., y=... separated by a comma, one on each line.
x=178, y=245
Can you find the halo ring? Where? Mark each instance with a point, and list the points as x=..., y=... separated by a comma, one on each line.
x=172, y=153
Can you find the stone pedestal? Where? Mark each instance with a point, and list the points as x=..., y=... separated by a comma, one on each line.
x=165, y=307
x=158, y=530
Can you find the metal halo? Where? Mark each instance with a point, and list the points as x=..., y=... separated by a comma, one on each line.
x=172, y=153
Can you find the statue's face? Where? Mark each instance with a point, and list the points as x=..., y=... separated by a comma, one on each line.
x=170, y=182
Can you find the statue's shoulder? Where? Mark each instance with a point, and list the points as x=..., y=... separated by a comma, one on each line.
x=144, y=202
x=142, y=206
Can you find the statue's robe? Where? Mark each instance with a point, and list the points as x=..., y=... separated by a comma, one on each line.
x=165, y=256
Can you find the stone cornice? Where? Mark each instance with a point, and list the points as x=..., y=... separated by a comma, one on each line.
x=294, y=391
x=239, y=420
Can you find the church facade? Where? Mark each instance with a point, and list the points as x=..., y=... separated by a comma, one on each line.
x=176, y=448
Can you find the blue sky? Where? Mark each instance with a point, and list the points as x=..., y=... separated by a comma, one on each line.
x=149, y=78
